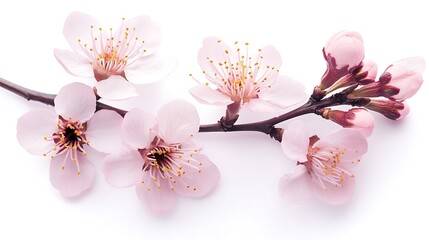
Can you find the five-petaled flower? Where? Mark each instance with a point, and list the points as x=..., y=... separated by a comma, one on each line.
x=111, y=58
x=244, y=80
x=161, y=161
x=66, y=133
x=323, y=165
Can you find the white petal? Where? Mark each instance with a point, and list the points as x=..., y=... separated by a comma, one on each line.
x=207, y=95
x=75, y=101
x=296, y=186
x=295, y=141
x=149, y=69
x=123, y=169
x=74, y=63
x=104, y=131
x=116, y=88
x=284, y=93
x=178, y=121
x=33, y=127
x=138, y=129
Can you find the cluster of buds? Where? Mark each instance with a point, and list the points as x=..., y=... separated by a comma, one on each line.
x=347, y=70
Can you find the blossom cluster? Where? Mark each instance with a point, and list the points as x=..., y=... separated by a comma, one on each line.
x=157, y=155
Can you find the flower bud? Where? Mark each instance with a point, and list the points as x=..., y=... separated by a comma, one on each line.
x=343, y=52
x=402, y=79
x=390, y=109
x=357, y=118
x=367, y=73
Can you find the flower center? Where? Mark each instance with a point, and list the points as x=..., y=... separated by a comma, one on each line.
x=110, y=53
x=240, y=76
x=326, y=166
x=69, y=140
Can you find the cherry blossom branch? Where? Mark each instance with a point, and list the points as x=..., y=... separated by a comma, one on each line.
x=266, y=126
x=48, y=99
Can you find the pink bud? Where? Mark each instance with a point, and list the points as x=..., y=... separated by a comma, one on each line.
x=357, y=118
x=403, y=78
x=367, y=73
x=390, y=109
x=343, y=52
x=344, y=49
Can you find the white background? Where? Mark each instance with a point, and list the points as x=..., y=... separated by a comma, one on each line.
x=391, y=197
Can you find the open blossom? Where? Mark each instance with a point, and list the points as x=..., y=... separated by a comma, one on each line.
x=252, y=81
x=356, y=118
x=343, y=52
x=161, y=160
x=65, y=135
x=323, y=165
x=113, y=58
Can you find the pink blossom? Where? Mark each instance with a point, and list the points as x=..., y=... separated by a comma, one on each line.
x=161, y=160
x=65, y=135
x=402, y=79
x=113, y=58
x=356, y=118
x=234, y=76
x=323, y=165
x=343, y=52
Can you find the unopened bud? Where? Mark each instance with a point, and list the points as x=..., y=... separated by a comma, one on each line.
x=391, y=109
x=402, y=79
x=356, y=118
x=367, y=73
x=343, y=52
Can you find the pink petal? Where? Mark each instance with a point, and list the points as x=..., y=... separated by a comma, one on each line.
x=207, y=95
x=200, y=175
x=407, y=76
x=296, y=186
x=270, y=57
x=284, y=93
x=259, y=105
x=146, y=33
x=177, y=121
x=404, y=112
x=123, y=169
x=335, y=195
x=75, y=101
x=138, y=129
x=351, y=142
x=74, y=63
x=295, y=141
x=213, y=52
x=347, y=49
x=68, y=181
x=364, y=121
x=33, y=127
x=104, y=131
x=159, y=198
x=77, y=31
x=149, y=69
x=116, y=88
